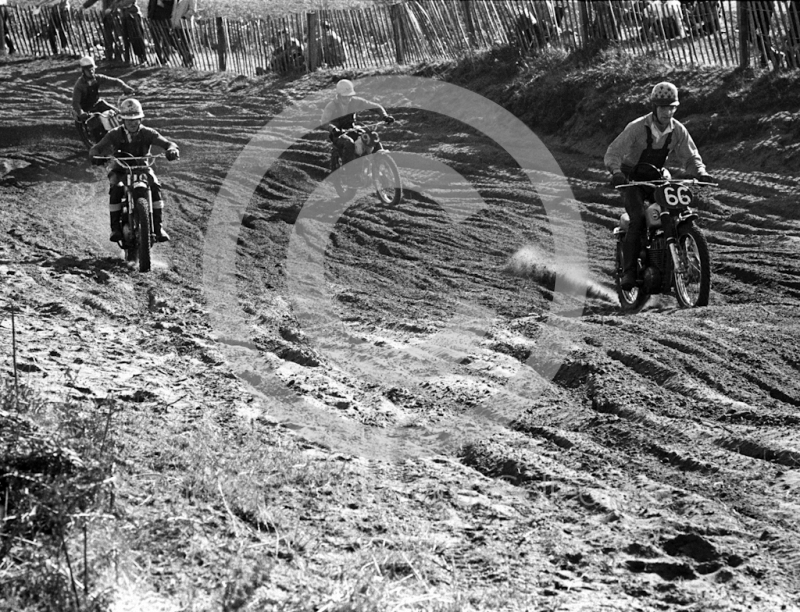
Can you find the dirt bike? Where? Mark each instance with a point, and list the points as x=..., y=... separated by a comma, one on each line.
x=92, y=129
x=674, y=254
x=138, y=233
x=372, y=166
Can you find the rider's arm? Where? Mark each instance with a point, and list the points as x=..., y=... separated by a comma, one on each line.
x=106, y=143
x=328, y=118
x=153, y=137
x=360, y=104
x=78, y=94
x=108, y=80
x=626, y=145
x=686, y=152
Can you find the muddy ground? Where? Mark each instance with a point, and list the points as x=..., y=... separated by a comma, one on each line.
x=404, y=407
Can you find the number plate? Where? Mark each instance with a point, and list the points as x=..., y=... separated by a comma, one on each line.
x=674, y=196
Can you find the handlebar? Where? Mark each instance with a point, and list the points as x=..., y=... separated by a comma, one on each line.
x=148, y=160
x=659, y=182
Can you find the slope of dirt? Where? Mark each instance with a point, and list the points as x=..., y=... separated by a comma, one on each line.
x=410, y=415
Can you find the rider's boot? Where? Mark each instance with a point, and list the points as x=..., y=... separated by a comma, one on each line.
x=161, y=234
x=629, y=252
x=116, y=226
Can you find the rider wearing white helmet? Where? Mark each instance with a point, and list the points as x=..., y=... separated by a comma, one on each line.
x=340, y=118
x=650, y=139
x=135, y=139
x=86, y=92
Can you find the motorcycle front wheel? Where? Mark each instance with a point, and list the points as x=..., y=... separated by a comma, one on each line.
x=386, y=179
x=83, y=133
x=633, y=300
x=693, y=276
x=143, y=233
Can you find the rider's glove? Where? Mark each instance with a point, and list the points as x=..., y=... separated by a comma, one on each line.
x=335, y=133
x=388, y=119
x=705, y=178
x=83, y=116
x=618, y=178
x=97, y=161
x=172, y=154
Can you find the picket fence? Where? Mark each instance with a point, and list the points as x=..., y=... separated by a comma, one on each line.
x=411, y=31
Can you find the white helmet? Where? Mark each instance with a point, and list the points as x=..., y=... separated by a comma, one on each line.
x=131, y=109
x=88, y=62
x=345, y=88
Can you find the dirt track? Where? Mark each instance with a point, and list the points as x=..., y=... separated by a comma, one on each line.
x=570, y=458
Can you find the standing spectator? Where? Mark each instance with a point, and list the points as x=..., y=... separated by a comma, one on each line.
x=159, y=15
x=111, y=29
x=182, y=25
x=333, y=51
x=663, y=20
x=132, y=29
x=57, y=11
x=759, y=22
x=8, y=40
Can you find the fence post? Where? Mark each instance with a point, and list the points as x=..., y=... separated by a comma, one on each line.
x=3, y=50
x=222, y=44
x=313, y=42
x=585, y=25
x=397, y=31
x=469, y=17
x=743, y=10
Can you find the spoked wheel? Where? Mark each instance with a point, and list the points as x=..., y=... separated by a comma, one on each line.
x=143, y=236
x=386, y=178
x=83, y=133
x=343, y=191
x=693, y=279
x=631, y=301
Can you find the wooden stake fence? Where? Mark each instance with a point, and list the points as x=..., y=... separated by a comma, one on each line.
x=722, y=33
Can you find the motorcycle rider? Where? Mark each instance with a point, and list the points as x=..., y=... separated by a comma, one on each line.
x=86, y=93
x=135, y=139
x=340, y=116
x=650, y=139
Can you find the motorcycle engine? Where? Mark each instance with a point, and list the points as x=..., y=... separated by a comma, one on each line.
x=657, y=254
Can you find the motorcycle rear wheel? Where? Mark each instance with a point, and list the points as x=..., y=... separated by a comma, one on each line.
x=693, y=280
x=143, y=237
x=630, y=301
x=386, y=179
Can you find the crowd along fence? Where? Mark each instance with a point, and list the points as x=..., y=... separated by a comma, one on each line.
x=685, y=34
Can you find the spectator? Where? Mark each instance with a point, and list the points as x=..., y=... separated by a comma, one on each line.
x=605, y=23
x=56, y=11
x=287, y=54
x=703, y=17
x=183, y=15
x=663, y=20
x=758, y=21
x=333, y=51
x=112, y=32
x=132, y=29
x=8, y=40
x=159, y=15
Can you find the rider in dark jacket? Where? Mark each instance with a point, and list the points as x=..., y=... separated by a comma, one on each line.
x=650, y=139
x=340, y=116
x=135, y=139
x=86, y=93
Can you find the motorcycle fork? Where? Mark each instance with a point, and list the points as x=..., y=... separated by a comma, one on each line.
x=668, y=223
x=139, y=191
